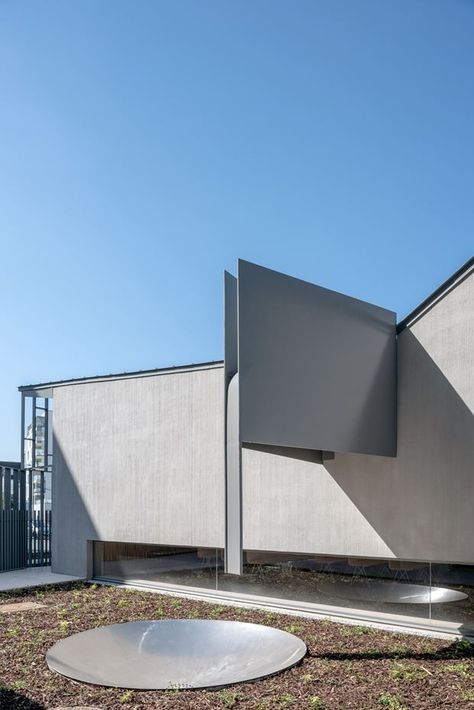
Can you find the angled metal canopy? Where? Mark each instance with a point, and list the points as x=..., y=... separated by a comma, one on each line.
x=317, y=369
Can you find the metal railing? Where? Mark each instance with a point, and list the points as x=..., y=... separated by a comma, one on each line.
x=25, y=528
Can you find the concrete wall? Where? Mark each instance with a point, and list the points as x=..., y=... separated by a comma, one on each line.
x=417, y=506
x=139, y=460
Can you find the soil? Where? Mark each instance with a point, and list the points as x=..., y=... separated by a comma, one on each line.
x=347, y=667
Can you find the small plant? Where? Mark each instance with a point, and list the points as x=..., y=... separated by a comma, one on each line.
x=63, y=626
x=175, y=602
x=315, y=702
x=286, y=700
x=126, y=697
x=16, y=685
x=292, y=629
x=349, y=630
x=93, y=587
x=398, y=649
x=308, y=678
x=228, y=698
x=11, y=633
x=408, y=674
x=462, y=669
x=463, y=647
x=391, y=701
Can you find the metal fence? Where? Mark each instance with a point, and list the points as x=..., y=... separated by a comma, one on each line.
x=25, y=525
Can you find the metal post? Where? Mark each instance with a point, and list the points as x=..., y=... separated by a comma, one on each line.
x=46, y=432
x=33, y=433
x=22, y=450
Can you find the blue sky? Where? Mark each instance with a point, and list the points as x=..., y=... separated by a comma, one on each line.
x=145, y=146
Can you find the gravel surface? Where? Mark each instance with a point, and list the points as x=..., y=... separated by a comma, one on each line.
x=346, y=666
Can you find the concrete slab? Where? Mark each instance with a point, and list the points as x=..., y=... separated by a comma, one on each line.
x=32, y=577
x=20, y=606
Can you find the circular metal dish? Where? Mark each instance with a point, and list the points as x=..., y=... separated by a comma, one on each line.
x=390, y=592
x=159, y=655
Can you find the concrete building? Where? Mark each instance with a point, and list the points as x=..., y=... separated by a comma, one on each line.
x=325, y=465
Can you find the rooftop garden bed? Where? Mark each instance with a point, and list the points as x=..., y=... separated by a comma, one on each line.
x=346, y=666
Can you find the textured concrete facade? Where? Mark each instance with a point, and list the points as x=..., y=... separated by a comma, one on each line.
x=417, y=506
x=141, y=459
x=138, y=460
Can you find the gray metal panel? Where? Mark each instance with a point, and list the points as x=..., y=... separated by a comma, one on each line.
x=317, y=369
x=233, y=545
x=230, y=327
x=233, y=469
x=182, y=654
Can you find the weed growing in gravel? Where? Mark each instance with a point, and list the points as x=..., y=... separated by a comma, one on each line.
x=228, y=698
x=463, y=647
x=391, y=701
x=398, y=649
x=308, y=678
x=126, y=697
x=462, y=669
x=408, y=674
x=11, y=633
x=286, y=700
x=63, y=626
x=348, y=630
x=16, y=685
x=292, y=629
x=315, y=702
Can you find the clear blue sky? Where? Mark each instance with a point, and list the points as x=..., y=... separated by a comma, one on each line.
x=145, y=146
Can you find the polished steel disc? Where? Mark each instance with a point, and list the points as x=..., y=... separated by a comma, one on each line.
x=159, y=655
x=390, y=592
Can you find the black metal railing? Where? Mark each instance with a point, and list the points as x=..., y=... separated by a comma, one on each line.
x=25, y=523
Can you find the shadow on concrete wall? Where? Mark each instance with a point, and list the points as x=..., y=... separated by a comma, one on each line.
x=72, y=524
x=312, y=455
x=419, y=503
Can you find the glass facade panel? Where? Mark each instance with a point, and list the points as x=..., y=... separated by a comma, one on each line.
x=452, y=597
x=187, y=566
x=395, y=591
x=351, y=586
